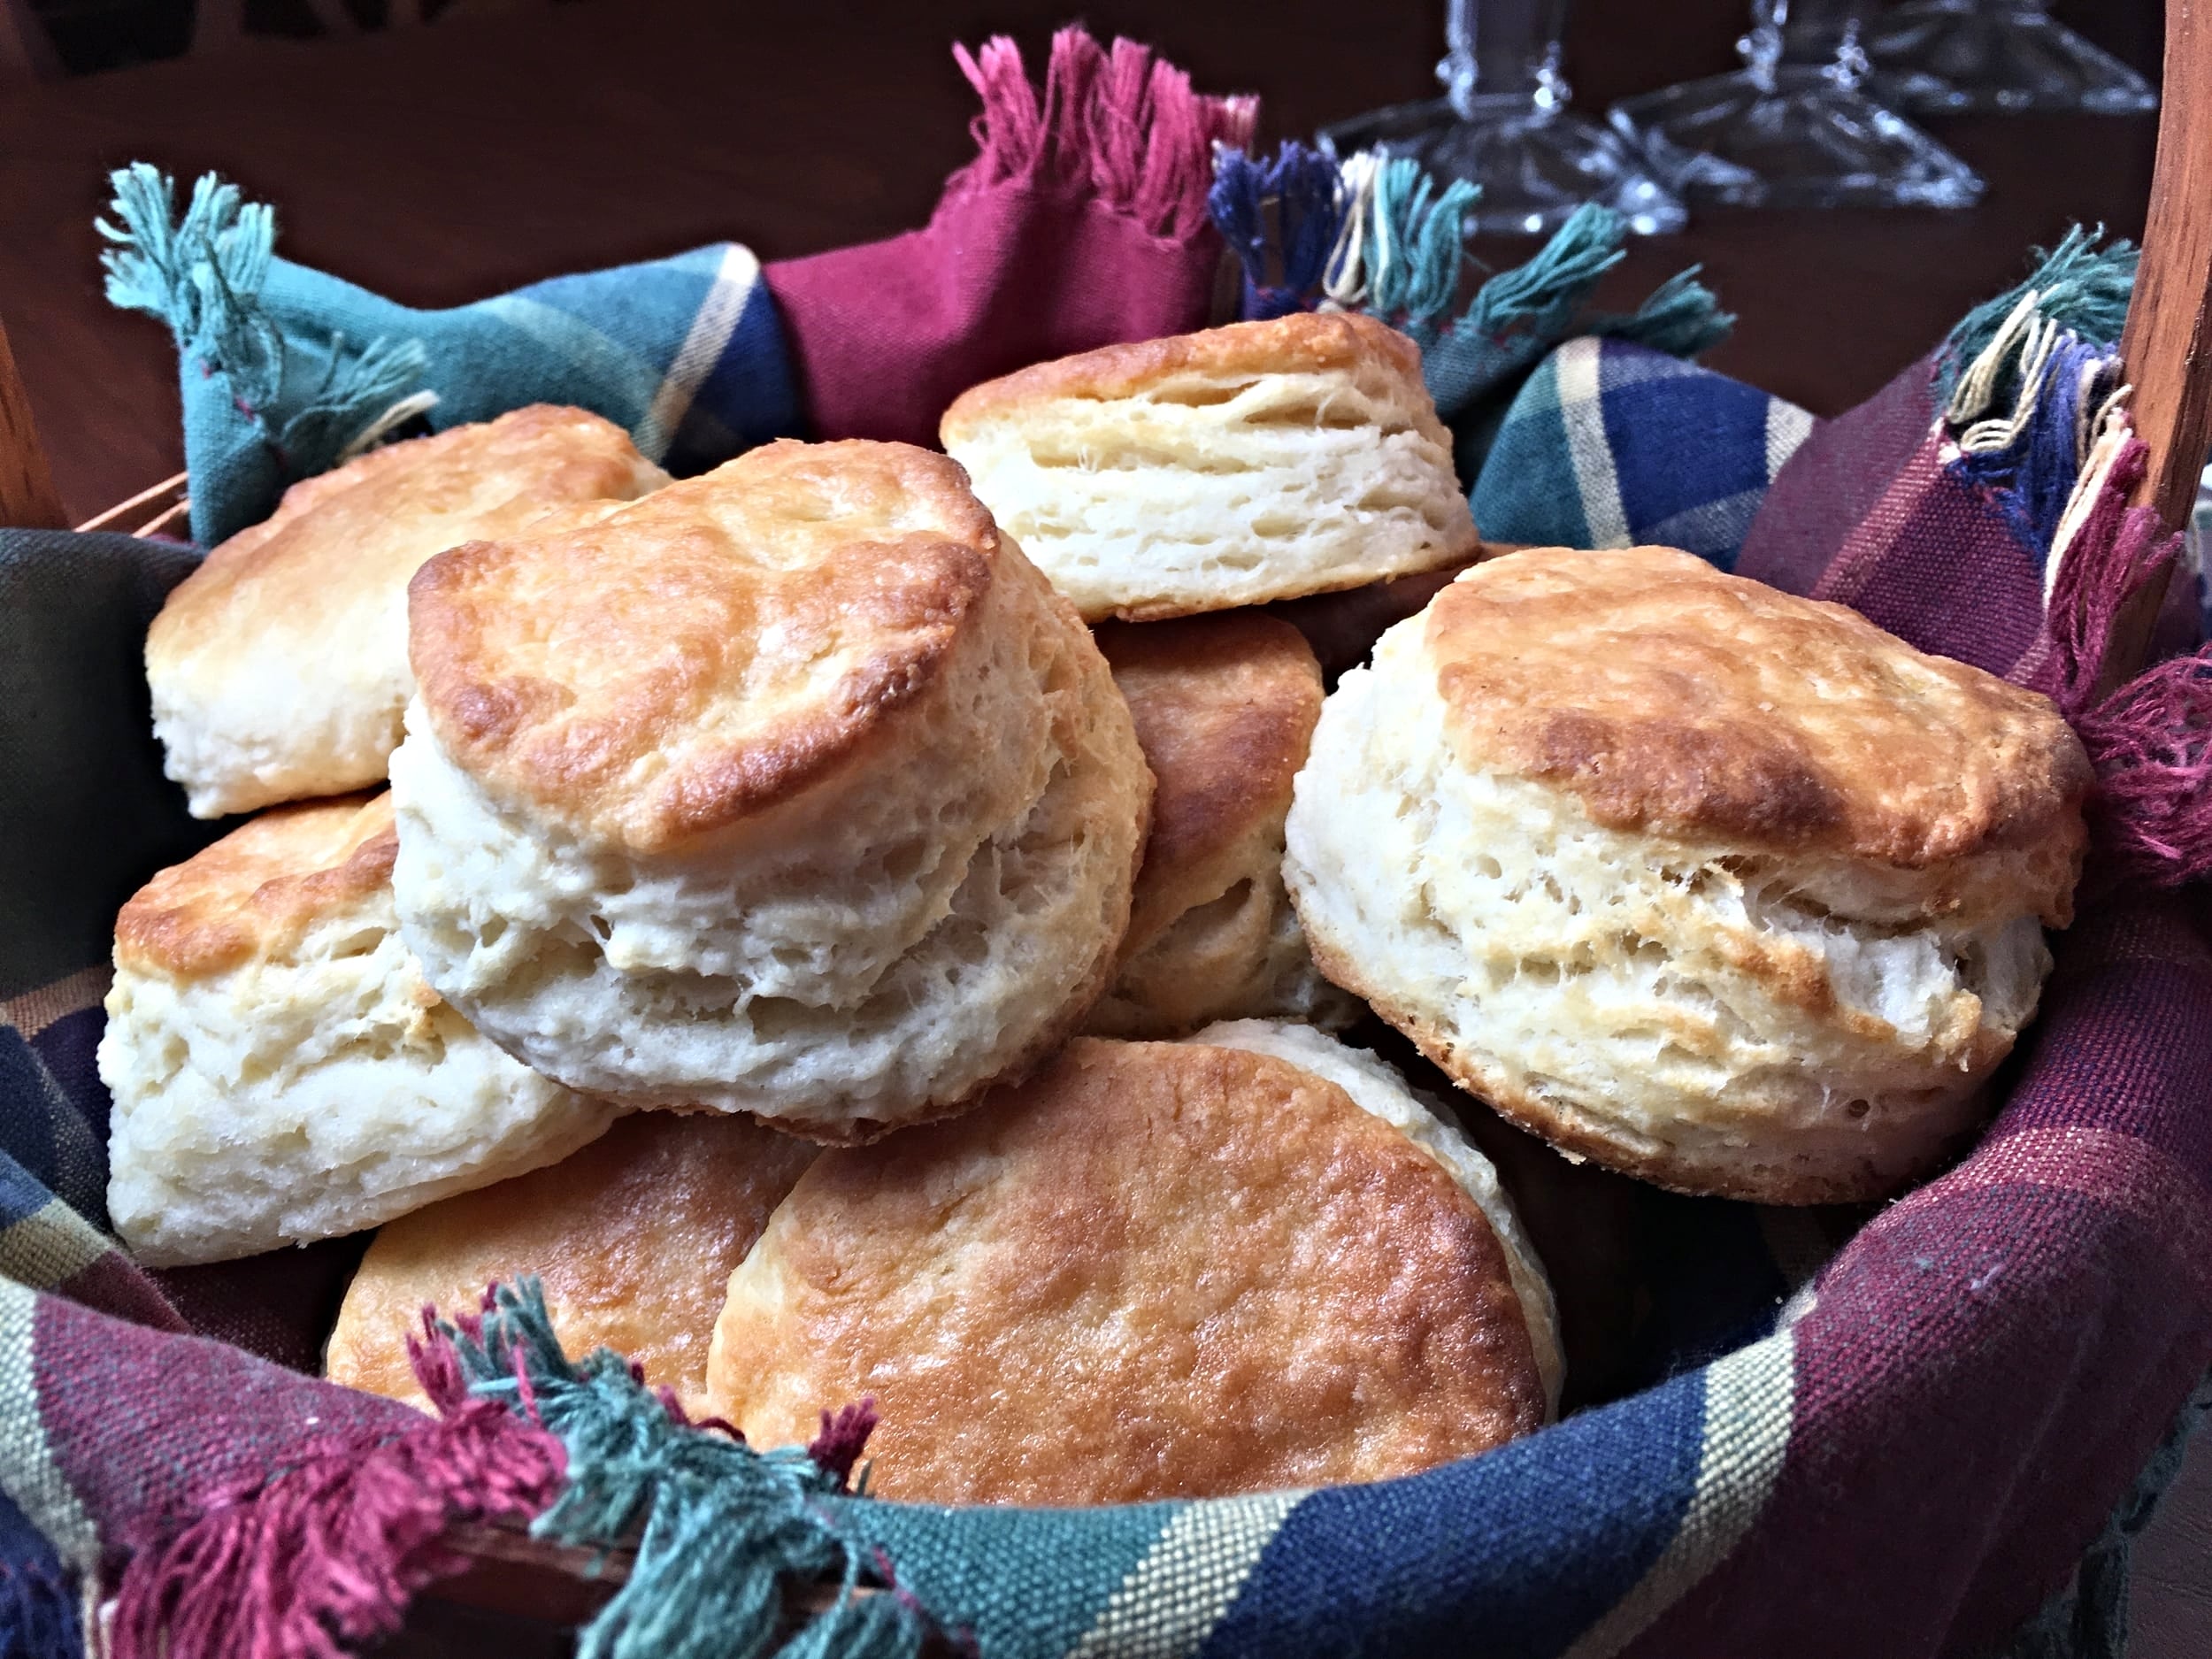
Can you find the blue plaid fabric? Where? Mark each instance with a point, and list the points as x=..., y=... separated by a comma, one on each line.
x=1613, y=444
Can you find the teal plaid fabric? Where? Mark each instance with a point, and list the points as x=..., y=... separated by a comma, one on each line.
x=1613, y=444
x=284, y=369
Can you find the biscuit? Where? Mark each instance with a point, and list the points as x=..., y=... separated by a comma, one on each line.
x=633, y=1238
x=1259, y=461
x=1341, y=629
x=1376, y=1088
x=278, y=667
x=1223, y=707
x=279, y=1071
x=1153, y=1270
x=1721, y=888
x=792, y=789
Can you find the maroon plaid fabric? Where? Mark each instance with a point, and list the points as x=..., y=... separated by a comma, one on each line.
x=1866, y=513
x=1835, y=481
x=1990, y=1358
x=1082, y=223
x=237, y=1508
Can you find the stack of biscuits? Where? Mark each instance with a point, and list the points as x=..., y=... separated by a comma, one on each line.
x=871, y=922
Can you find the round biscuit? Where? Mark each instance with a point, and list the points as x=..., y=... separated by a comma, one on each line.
x=1721, y=888
x=278, y=1069
x=791, y=789
x=278, y=667
x=1253, y=462
x=1153, y=1270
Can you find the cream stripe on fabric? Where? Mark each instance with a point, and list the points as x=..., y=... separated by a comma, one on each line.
x=34, y=1010
x=1750, y=1398
x=711, y=332
x=51, y=1244
x=1787, y=427
x=1582, y=412
x=27, y=1472
x=1173, y=1598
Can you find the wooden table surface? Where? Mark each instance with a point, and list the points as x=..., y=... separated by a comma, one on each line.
x=438, y=165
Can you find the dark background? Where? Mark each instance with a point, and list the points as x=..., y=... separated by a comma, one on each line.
x=440, y=160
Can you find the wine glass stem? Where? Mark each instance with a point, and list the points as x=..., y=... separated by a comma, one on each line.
x=1501, y=52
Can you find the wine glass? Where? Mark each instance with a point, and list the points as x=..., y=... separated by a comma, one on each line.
x=1949, y=57
x=1505, y=125
x=1792, y=127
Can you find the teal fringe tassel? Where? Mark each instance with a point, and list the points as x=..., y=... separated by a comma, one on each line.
x=1411, y=259
x=1682, y=318
x=716, y=1527
x=1416, y=249
x=1543, y=295
x=2080, y=286
x=1520, y=314
x=350, y=398
x=203, y=275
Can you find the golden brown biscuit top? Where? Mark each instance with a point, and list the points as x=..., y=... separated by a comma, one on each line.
x=350, y=535
x=1153, y=1270
x=255, y=891
x=1305, y=342
x=1670, y=698
x=632, y=1237
x=709, y=651
x=1225, y=708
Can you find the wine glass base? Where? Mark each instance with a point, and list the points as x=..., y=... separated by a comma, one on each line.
x=1795, y=138
x=1535, y=166
x=1954, y=57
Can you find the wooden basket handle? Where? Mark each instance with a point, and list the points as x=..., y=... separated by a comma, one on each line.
x=2167, y=349
x=28, y=499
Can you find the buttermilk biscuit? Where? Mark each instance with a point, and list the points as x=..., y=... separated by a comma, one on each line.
x=281, y=1072
x=1721, y=888
x=1223, y=708
x=1153, y=1270
x=792, y=789
x=633, y=1238
x=278, y=667
x=1255, y=461
x=1376, y=1088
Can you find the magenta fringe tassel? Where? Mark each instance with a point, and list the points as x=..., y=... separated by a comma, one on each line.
x=325, y=1554
x=1121, y=125
x=2150, y=740
x=2152, y=743
x=844, y=1437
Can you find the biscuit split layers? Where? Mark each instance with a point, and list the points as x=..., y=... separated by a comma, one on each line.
x=1153, y=1271
x=1223, y=707
x=278, y=667
x=1259, y=461
x=1721, y=888
x=793, y=788
x=633, y=1239
x=279, y=1071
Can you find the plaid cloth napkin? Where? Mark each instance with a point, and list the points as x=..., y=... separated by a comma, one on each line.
x=1904, y=1451
x=286, y=371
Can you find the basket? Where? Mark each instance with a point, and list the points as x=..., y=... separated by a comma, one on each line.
x=1630, y=1527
